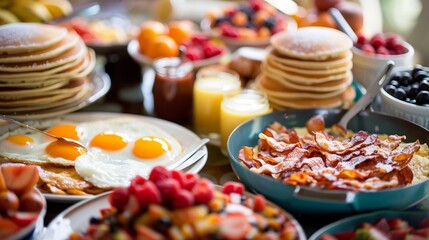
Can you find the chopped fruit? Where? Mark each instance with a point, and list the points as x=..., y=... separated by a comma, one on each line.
x=259, y=203
x=199, y=39
x=148, y=194
x=7, y=228
x=382, y=225
x=31, y=202
x=183, y=199
x=194, y=54
x=148, y=31
x=345, y=235
x=161, y=47
x=20, y=178
x=246, y=33
x=159, y=173
x=235, y=226
x=239, y=19
x=8, y=201
x=211, y=50
x=233, y=187
x=144, y=232
x=327, y=236
x=397, y=223
x=23, y=219
x=119, y=197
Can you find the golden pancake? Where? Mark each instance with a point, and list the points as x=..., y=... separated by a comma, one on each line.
x=312, y=43
x=11, y=94
x=25, y=37
x=37, y=84
x=42, y=54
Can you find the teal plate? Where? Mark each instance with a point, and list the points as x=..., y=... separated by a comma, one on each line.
x=351, y=223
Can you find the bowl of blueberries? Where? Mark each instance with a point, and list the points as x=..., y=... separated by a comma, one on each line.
x=406, y=95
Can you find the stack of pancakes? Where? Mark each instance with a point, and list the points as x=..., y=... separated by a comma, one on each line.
x=308, y=68
x=42, y=67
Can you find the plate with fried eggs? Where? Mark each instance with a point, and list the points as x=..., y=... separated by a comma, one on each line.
x=118, y=147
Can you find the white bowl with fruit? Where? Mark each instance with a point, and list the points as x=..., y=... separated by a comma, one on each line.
x=371, y=54
x=22, y=206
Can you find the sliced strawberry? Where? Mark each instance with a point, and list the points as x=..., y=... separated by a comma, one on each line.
x=23, y=219
x=159, y=173
x=119, y=197
x=382, y=225
x=179, y=176
x=147, y=194
x=183, y=199
x=397, y=223
x=233, y=187
x=203, y=191
x=7, y=228
x=137, y=181
x=194, y=53
x=234, y=226
x=345, y=235
x=144, y=232
x=399, y=234
x=211, y=50
x=20, y=178
x=8, y=201
x=190, y=181
x=327, y=236
x=168, y=188
x=199, y=39
x=259, y=203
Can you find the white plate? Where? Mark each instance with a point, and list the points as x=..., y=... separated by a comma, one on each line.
x=133, y=50
x=99, y=85
x=182, y=134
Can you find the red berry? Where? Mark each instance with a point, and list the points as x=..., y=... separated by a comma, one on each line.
x=259, y=203
x=382, y=51
x=361, y=39
x=230, y=11
x=179, y=176
x=168, y=188
x=159, y=173
x=227, y=30
x=183, y=199
x=199, y=39
x=148, y=194
x=211, y=50
x=137, y=181
x=377, y=41
x=233, y=187
x=194, y=53
x=256, y=5
x=399, y=48
x=367, y=48
x=119, y=197
x=190, y=181
x=203, y=191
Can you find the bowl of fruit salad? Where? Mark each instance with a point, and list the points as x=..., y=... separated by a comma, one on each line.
x=406, y=95
x=371, y=54
x=22, y=206
x=250, y=23
x=176, y=205
x=378, y=225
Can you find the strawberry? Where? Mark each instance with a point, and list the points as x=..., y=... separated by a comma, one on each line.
x=345, y=235
x=190, y=181
x=137, y=181
x=227, y=30
x=159, y=173
x=199, y=39
x=234, y=226
x=183, y=199
x=233, y=187
x=147, y=194
x=382, y=225
x=397, y=223
x=203, y=191
x=119, y=197
x=179, y=176
x=259, y=203
x=194, y=53
x=20, y=178
x=23, y=219
x=211, y=50
x=399, y=234
x=168, y=188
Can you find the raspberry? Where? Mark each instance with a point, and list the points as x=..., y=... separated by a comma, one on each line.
x=183, y=199
x=147, y=194
x=233, y=187
x=190, y=181
x=179, y=176
x=203, y=191
x=168, y=188
x=159, y=173
x=137, y=181
x=194, y=54
x=119, y=197
x=361, y=39
x=377, y=41
x=382, y=51
x=367, y=48
x=259, y=203
x=399, y=48
x=211, y=50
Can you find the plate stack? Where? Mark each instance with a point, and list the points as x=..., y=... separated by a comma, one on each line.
x=308, y=68
x=42, y=67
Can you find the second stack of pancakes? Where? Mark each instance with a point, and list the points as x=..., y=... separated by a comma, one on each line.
x=308, y=68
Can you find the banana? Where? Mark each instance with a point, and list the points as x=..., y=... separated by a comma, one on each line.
x=7, y=17
x=31, y=11
x=57, y=8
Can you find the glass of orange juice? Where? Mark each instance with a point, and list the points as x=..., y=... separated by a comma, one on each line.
x=239, y=108
x=211, y=86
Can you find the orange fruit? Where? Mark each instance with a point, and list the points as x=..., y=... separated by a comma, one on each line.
x=148, y=31
x=180, y=31
x=162, y=46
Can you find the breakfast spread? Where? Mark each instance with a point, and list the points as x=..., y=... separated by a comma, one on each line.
x=174, y=205
x=308, y=68
x=359, y=162
x=20, y=203
x=42, y=67
x=384, y=228
x=117, y=149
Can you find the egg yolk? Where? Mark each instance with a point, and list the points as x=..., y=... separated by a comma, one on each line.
x=66, y=150
x=22, y=140
x=150, y=147
x=64, y=130
x=108, y=141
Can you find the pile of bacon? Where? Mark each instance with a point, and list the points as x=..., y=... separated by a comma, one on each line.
x=362, y=162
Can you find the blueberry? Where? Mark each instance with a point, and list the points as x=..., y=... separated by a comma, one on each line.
x=412, y=92
x=390, y=89
x=424, y=85
x=405, y=79
x=394, y=83
x=400, y=94
x=410, y=100
x=222, y=19
x=422, y=97
x=420, y=75
x=396, y=76
x=416, y=69
x=270, y=22
x=247, y=10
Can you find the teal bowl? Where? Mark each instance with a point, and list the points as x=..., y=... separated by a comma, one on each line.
x=309, y=201
x=351, y=223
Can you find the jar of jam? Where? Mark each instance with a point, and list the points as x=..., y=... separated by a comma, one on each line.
x=172, y=90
